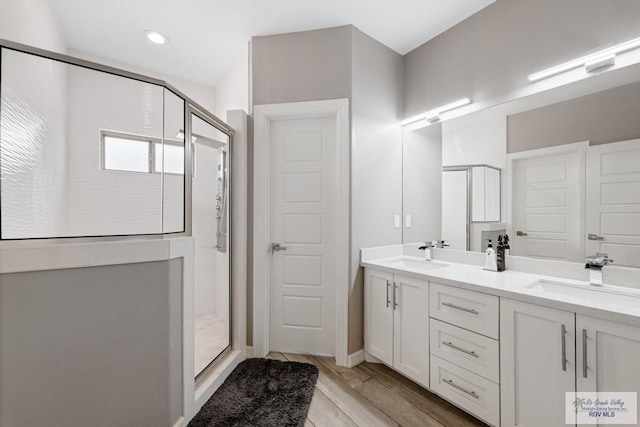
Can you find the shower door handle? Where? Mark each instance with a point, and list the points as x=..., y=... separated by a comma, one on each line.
x=275, y=247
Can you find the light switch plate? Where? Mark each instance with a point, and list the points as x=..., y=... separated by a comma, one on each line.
x=396, y=221
x=407, y=221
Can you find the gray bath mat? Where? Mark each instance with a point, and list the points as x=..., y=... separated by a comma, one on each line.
x=261, y=392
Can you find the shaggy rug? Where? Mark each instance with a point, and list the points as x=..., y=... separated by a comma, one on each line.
x=261, y=392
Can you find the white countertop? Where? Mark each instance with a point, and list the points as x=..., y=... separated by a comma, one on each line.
x=515, y=285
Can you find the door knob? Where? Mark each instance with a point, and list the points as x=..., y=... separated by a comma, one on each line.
x=594, y=237
x=521, y=233
x=276, y=247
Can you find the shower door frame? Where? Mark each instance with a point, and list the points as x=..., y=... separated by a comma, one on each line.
x=193, y=110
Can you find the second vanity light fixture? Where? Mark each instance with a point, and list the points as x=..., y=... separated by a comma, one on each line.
x=433, y=116
x=592, y=62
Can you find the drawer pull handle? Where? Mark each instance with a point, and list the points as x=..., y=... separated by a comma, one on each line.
x=585, y=372
x=457, y=307
x=395, y=296
x=455, y=347
x=563, y=336
x=454, y=385
x=388, y=286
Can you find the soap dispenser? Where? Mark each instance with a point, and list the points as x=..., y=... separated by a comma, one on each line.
x=500, y=254
x=490, y=260
x=507, y=248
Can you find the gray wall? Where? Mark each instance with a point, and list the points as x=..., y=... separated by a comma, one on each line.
x=376, y=162
x=343, y=62
x=600, y=118
x=304, y=66
x=490, y=54
x=295, y=67
x=96, y=346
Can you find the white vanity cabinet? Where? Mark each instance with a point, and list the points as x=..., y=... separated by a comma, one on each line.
x=504, y=361
x=608, y=356
x=396, y=315
x=464, y=349
x=537, y=363
x=545, y=353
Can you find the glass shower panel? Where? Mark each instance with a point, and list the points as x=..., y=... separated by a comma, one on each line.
x=210, y=215
x=77, y=152
x=33, y=111
x=169, y=157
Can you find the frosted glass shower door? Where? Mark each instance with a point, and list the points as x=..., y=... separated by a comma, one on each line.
x=210, y=224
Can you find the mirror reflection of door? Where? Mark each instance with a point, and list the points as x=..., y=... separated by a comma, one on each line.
x=547, y=204
x=613, y=201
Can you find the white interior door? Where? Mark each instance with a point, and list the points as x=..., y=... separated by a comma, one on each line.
x=547, y=203
x=613, y=201
x=303, y=215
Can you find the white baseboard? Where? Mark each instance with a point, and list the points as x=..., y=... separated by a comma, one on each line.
x=355, y=359
x=369, y=358
x=249, y=352
x=180, y=423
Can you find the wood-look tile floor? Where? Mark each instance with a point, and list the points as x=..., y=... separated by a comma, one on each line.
x=373, y=395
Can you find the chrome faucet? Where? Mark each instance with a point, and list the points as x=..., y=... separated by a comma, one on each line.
x=428, y=253
x=594, y=265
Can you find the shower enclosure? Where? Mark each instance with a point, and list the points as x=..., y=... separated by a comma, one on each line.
x=96, y=153
x=210, y=220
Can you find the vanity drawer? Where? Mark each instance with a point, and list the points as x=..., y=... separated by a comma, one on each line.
x=475, y=394
x=475, y=352
x=468, y=309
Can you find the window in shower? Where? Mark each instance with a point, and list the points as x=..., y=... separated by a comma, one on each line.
x=129, y=153
x=210, y=225
x=125, y=154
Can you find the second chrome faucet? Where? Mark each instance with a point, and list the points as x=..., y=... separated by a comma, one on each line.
x=429, y=245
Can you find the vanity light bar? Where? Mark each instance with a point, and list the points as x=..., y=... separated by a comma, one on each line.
x=600, y=63
x=594, y=57
x=434, y=118
x=434, y=115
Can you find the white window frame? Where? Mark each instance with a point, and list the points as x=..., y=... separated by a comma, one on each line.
x=151, y=155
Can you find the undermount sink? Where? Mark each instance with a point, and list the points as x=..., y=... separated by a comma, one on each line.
x=416, y=263
x=596, y=294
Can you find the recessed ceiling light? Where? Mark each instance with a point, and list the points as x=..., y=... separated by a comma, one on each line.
x=156, y=37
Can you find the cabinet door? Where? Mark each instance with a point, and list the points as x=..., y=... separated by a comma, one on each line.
x=537, y=363
x=411, y=328
x=607, y=356
x=378, y=315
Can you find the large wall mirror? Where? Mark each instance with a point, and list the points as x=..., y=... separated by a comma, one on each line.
x=569, y=173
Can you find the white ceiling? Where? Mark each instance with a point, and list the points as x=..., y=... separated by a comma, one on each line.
x=206, y=36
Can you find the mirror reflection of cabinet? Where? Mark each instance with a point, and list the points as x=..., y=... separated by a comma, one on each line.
x=470, y=194
x=485, y=194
